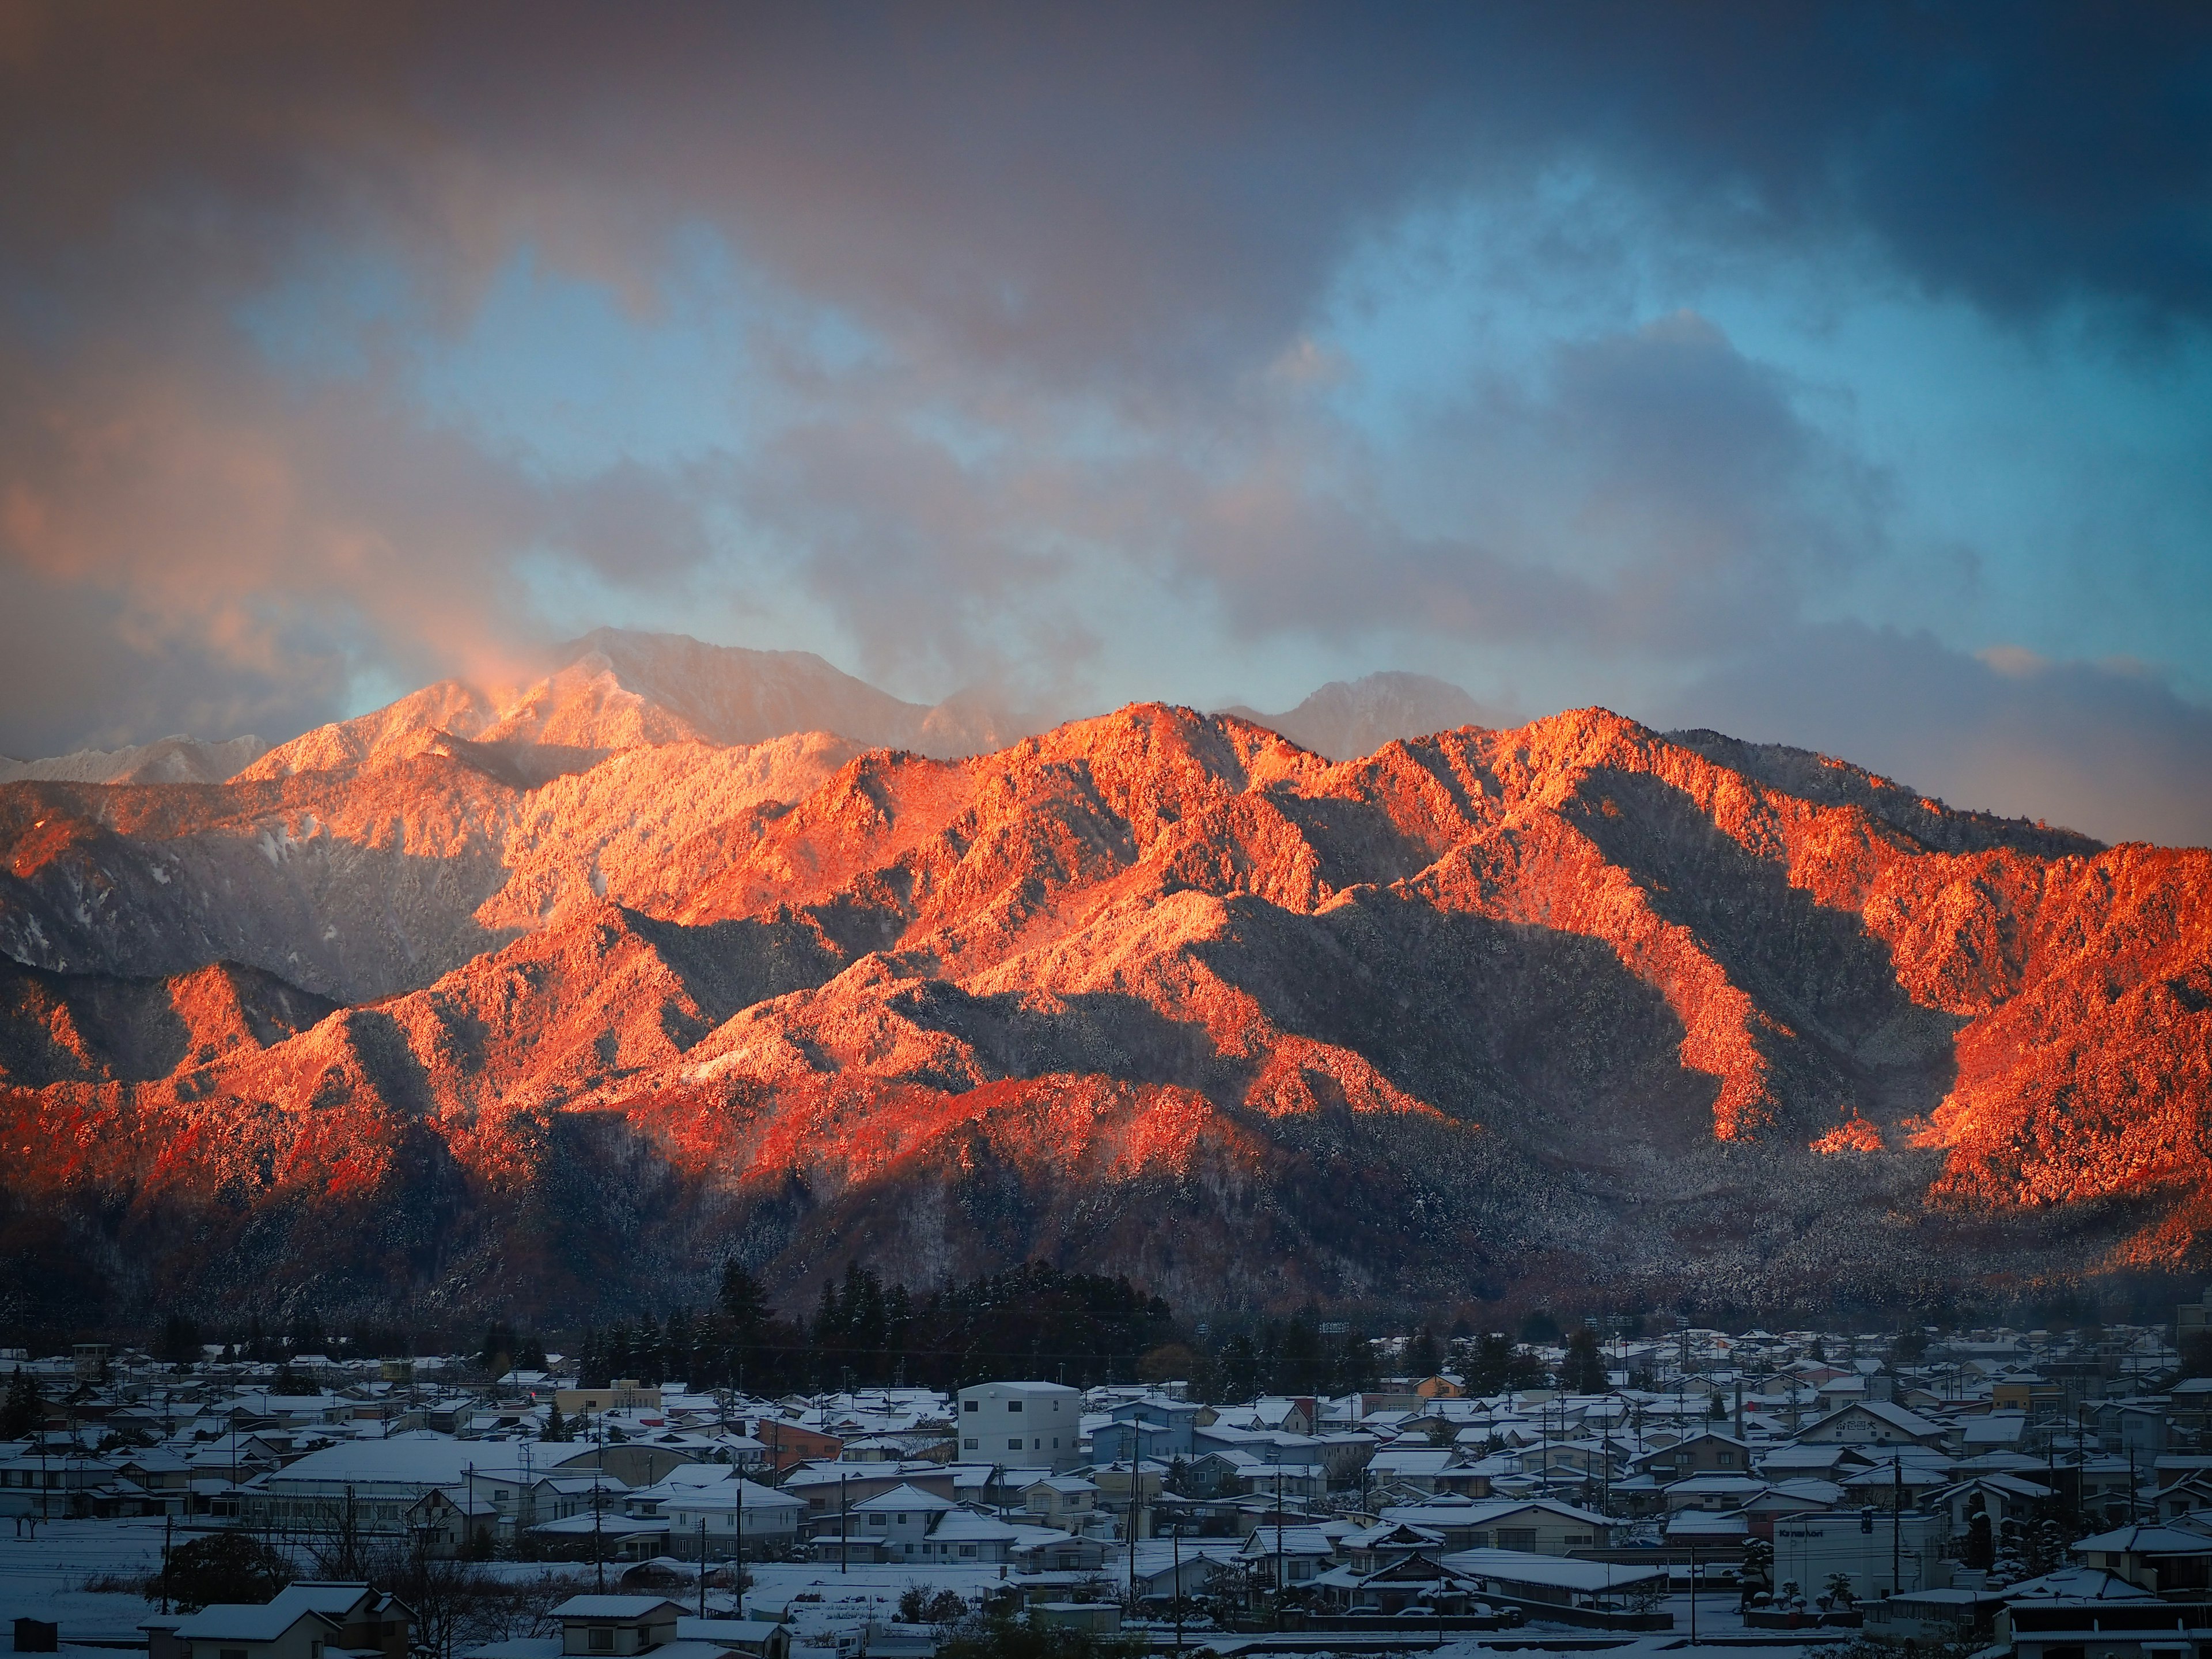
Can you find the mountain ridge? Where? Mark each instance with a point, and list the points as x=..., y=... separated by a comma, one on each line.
x=1481, y=1011
x=614, y=689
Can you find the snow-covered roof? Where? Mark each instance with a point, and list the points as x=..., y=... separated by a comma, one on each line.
x=905, y=1497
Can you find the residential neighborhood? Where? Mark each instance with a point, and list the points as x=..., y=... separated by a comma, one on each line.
x=1994, y=1490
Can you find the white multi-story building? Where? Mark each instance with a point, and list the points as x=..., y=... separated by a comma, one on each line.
x=1033, y=1425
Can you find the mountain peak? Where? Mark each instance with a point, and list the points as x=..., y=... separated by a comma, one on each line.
x=617, y=689
x=1347, y=719
x=176, y=759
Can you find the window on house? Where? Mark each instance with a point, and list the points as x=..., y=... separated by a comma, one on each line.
x=967, y=1552
x=602, y=1639
x=970, y=1405
x=232, y=1653
x=877, y=1521
x=969, y=1445
x=1013, y=1405
x=1015, y=1444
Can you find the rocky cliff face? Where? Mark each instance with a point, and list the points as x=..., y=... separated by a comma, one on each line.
x=1156, y=993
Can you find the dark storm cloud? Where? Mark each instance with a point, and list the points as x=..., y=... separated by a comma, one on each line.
x=1045, y=220
x=2104, y=749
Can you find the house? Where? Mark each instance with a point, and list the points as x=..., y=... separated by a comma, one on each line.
x=452, y=1520
x=2192, y=1495
x=1165, y=1568
x=899, y=1520
x=1040, y=1422
x=1416, y=1467
x=1535, y=1580
x=1064, y=1501
x=1372, y=1548
x=373, y=1486
x=1700, y=1452
x=1994, y=1431
x=640, y=1463
x=1902, y=1478
x=1174, y=1420
x=624, y=1393
x=2060, y=1628
x=1121, y=1442
x=1873, y=1423
x=2001, y=1497
x=1286, y=1555
x=712, y=1508
x=1712, y=1493
x=603, y=1535
x=829, y=1489
x=302, y=1621
x=2131, y=1425
x=753, y=1638
x=964, y=1536
x=250, y=1630
x=1541, y=1525
x=1048, y=1549
x=2163, y=1559
x=1786, y=1498
x=1414, y=1584
x=1286, y=1414
x=616, y=1625
x=370, y=1620
x=790, y=1445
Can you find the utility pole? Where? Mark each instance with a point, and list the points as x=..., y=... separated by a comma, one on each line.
x=1133, y=1463
x=844, y=1530
x=1176, y=1534
x=1693, y=1593
x=1896, y=1525
x=168, y=1530
x=702, y=1562
x=1278, y=1546
x=598, y=1476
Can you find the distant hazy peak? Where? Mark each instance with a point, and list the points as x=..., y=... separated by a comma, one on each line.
x=615, y=689
x=1347, y=719
x=166, y=760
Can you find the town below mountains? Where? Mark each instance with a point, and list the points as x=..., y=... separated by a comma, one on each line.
x=1958, y=1490
x=683, y=953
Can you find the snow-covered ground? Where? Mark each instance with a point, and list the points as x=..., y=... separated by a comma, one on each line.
x=43, y=1577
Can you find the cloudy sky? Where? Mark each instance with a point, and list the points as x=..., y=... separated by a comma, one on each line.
x=1840, y=377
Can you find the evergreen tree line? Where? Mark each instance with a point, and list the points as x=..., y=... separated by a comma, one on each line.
x=181, y=1340
x=1034, y=1321
x=1293, y=1356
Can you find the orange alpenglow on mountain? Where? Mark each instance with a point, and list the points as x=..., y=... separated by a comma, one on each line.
x=539, y=1006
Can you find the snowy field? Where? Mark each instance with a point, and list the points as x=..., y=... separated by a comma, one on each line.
x=43, y=1577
